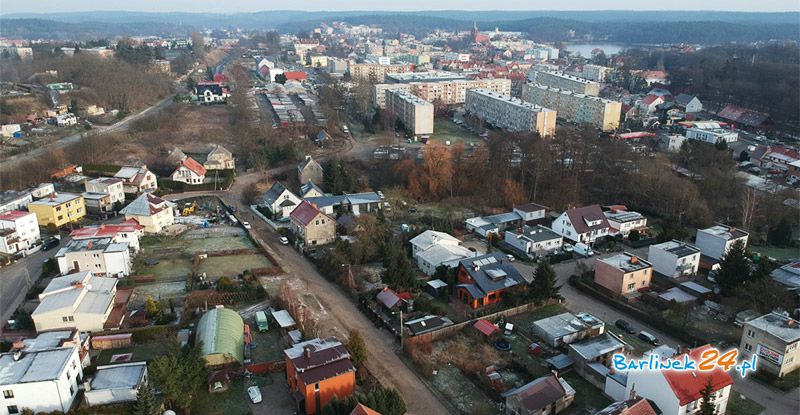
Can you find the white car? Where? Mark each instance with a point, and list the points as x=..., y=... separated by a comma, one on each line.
x=254, y=393
x=284, y=240
x=567, y=248
x=246, y=225
x=510, y=258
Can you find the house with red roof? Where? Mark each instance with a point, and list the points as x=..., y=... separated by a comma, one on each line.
x=779, y=157
x=649, y=103
x=300, y=76
x=128, y=232
x=585, y=224
x=680, y=392
x=312, y=225
x=362, y=409
x=189, y=171
x=746, y=117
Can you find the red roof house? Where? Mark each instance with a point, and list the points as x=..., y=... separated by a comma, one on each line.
x=296, y=76
x=362, y=409
x=312, y=225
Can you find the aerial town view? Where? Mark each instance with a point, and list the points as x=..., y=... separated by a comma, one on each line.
x=383, y=208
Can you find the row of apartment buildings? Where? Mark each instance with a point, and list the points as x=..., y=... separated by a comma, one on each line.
x=509, y=113
x=448, y=92
x=601, y=113
x=415, y=113
x=566, y=82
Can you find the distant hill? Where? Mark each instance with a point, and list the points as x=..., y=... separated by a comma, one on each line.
x=617, y=26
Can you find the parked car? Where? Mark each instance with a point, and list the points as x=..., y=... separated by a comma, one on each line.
x=510, y=258
x=50, y=244
x=583, y=249
x=625, y=325
x=254, y=393
x=567, y=248
x=645, y=336
x=246, y=225
x=284, y=240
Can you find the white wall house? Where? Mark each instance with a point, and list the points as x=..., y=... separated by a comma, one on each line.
x=189, y=171
x=101, y=256
x=585, y=224
x=42, y=380
x=674, y=258
x=81, y=301
x=711, y=132
x=623, y=222
x=715, y=241
x=152, y=212
x=137, y=179
x=679, y=393
x=113, y=186
x=432, y=249
x=19, y=231
x=530, y=212
x=280, y=201
x=534, y=240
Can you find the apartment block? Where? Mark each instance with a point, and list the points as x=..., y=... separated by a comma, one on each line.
x=561, y=80
x=415, y=113
x=58, y=209
x=429, y=76
x=511, y=114
x=595, y=73
x=448, y=92
x=375, y=72
x=600, y=113
x=774, y=338
x=379, y=92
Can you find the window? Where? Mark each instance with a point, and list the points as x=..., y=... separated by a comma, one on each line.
x=71, y=390
x=631, y=285
x=748, y=347
x=64, y=319
x=750, y=333
x=69, y=375
x=71, y=318
x=12, y=409
x=58, y=208
x=8, y=394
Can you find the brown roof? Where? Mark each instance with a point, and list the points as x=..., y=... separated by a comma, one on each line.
x=328, y=371
x=304, y=213
x=530, y=207
x=539, y=393
x=362, y=409
x=636, y=406
x=582, y=215
x=194, y=166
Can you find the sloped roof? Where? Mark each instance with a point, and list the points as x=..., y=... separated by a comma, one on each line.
x=743, y=115
x=274, y=192
x=389, y=298
x=194, y=166
x=688, y=385
x=491, y=272
x=637, y=406
x=580, y=218
x=222, y=332
x=308, y=160
x=305, y=212
x=304, y=189
x=430, y=238
x=105, y=230
x=683, y=99
x=539, y=393
x=145, y=205
x=361, y=409
x=485, y=327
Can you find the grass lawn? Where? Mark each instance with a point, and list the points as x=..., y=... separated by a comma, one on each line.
x=461, y=392
x=232, y=265
x=780, y=254
x=446, y=130
x=231, y=402
x=268, y=344
x=588, y=399
x=141, y=352
x=739, y=406
x=785, y=384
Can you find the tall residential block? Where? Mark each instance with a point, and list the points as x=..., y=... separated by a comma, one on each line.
x=510, y=114
x=415, y=113
x=601, y=113
x=561, y=80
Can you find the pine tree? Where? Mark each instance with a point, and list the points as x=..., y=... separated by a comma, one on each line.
x=357, y=348
x=544, y=281
x=706, y=405
x=734, y=269
x=145, y=402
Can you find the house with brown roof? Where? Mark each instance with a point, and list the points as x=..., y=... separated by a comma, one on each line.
x=362, y=409
x=745, y=117
x=546, y=395
x=312, y=225
x=316, y=371
x=585, y=224
x=309, y=171
x=189, y=171
x=634, y=406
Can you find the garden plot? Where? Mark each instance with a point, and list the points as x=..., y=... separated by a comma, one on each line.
x=231, y=265
x=461, y=392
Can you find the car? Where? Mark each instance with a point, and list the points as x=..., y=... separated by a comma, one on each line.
x=567, y=248
x=284, y=240
x=754, y=170
x=50, y=244
x=254, y=393
x=246, y=225
x=649, y=338
x=624, y=325
x=510, y=258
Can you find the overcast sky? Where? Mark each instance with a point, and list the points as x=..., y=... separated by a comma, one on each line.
x=233, y=6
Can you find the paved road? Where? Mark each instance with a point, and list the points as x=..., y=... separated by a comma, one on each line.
x=774, y=401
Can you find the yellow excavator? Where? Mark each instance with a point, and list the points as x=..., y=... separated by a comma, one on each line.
x=189, y=209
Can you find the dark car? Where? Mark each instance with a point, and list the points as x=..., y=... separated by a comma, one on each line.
x=50, y=244
x=624, y=325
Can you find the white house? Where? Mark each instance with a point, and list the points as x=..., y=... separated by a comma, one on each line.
x=66, y=120
x=13, y=200
x=622, y=222
x=674, y=258
x=42, y=380
x=585, y=224
x=102, y=256
x=534, y=240
x=690, y=103
x=152, y=212
x=114, y=384
x=81, y=301
x=649, y=103
x=280, y=201
x=680, y=392
x=530, y=212
x=137, y=179
x=126, y=232
x=19, y=231
x=714, y=242
x=189, y=171
x=113, y=186
x=711, y=132
x=432, y=249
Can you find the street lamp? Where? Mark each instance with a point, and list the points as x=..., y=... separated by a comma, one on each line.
x=401, y=326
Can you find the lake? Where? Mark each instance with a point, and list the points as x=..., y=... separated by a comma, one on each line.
x=585, y=49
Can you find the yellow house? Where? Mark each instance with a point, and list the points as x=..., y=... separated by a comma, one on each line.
x=58, y=209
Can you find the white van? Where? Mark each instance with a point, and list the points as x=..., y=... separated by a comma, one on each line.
x=583, y=249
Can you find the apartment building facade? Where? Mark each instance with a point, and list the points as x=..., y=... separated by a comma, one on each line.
x=374, y=72
x=415, y=113
x=600, y=113
x=774, y=338
x=58, y=209
x=563, y=81
x=510, y=114
x=448, y=92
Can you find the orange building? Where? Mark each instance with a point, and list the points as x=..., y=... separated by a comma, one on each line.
x=623, y=273
x=483, y=279
x=316, y=371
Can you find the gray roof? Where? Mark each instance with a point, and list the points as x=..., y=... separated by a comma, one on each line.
x=127, y=375
x=310, y=186
x=561, y=361
x=566, y=323
x=678, y=248
x=66, y=292
x=778, y=325
x=683, y=99
x=47, y=340
x=39, y=366
x=677, y=294
x=141, y=206
x=724, y=232
x=55, y=200
x=503, y=218
x=597, y=346
x=788, y=275
x=274, y=192
x=428, y=323
x=324, y=201
x=437, y=283
x=626, y=263
x=491, y=272
x=445, y=254
x=539, y=233
x=693, y=286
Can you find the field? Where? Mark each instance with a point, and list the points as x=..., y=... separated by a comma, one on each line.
x=446, y=130
x=461, y=392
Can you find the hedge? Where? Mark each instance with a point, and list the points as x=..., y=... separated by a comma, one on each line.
x=100, y=169
x=169, y=186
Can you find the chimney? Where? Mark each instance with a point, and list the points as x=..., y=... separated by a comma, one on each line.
x=791, y=322
x=634, y=259
x=17, y=355
x=307, y=352
x=53, y=196
x=89, y=245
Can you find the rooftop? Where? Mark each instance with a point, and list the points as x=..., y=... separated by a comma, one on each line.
x=678, y=248
x=597, y=346
x=622, y=216
x=571, y=93
x=778, y=325
x=567, y=323
x=81, y=291
x=516, y=102
x=56, y=199
x=788, y=275
x=38, y=366
x=126, y=375
x=423, y=76
x=627, y=262
x=725, y=232
x=570, y=77
x=427, y=323
x=408, y=97
x=13, y=215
